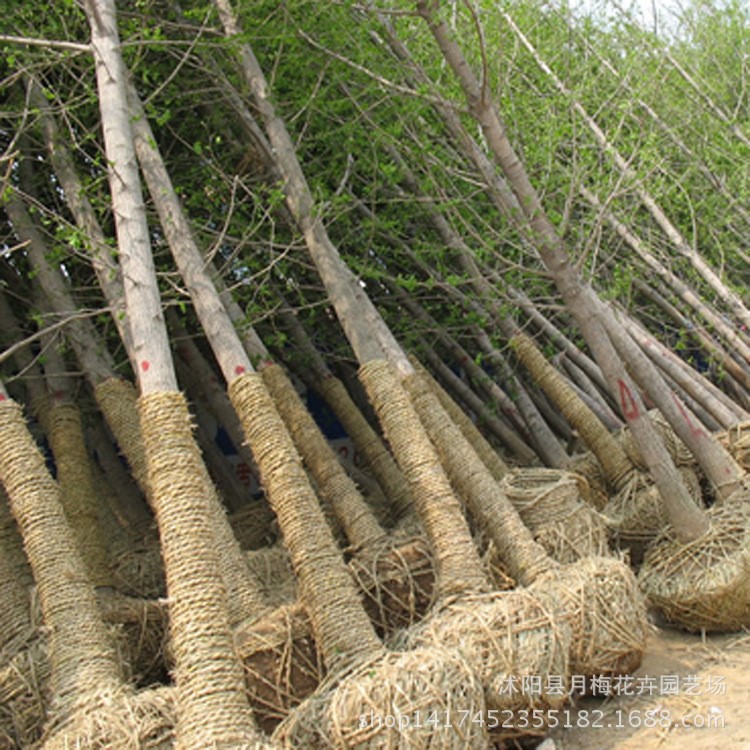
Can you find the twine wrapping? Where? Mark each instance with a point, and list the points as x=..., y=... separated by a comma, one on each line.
x=208, y=675
x=704, y=584
x=432, y=681
x=474, y=484
x=341, y=626
x=368, y=444
x=80, y=499
x=458, y=568
x=15, y=618
x=549, y=503
x=357, y=519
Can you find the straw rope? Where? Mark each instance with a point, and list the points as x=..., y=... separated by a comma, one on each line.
x=80, y=499
x=82, y=657
x=679, y=452
x=432, y=681
x=471, y=478
x=704, y=584
x=458, y=568
x=614, y=461
x=600, y=600
x=490, y=458
x=15, y=619
x=117, y=399
x=549, y=503
x=359, y=523
x=636, y=513
x=736, y=440
x=272, y=567
x=208, y=675
x=594, y=491
x=368, y=444
x=254, y=525
x=341, y=626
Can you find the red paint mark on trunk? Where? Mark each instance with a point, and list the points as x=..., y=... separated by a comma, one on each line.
x=239, y=370
x=2, y=397
x=695, y=429
x=145, y=364
x=627, y=402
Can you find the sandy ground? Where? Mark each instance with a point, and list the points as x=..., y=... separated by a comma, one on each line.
x=716, y=717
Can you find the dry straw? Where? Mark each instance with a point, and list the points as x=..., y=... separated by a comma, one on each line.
x=737, y=440
x=704, y=584
x=549, y=503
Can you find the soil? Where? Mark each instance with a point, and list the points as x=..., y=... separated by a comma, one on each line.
x=716, y=717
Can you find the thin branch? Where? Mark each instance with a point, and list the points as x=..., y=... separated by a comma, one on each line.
x=51, y=43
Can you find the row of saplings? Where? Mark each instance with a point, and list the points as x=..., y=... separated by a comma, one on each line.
x=451, y=631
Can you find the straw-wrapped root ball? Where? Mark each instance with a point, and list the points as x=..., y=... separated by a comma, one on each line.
x=550, y=504
x=119, y=720
x=704, y=584
x=411, y=700
x=516, y=642
x=636, y=513
x=600, y=599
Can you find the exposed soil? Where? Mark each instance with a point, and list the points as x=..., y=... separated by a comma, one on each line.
x=715, y=718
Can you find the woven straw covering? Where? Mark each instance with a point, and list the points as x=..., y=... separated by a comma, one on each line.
x=601, y=601
x=675, y=447
x=139, y=571
x=456, y=557
x=737, y=441
x=704, y=584
x=637, y=513
x=79, y=495
x=359, y=523
x=432, y=681
x=14, y=611
x=208, y=675
x=342, y=628
x=369, y=445
x=504, y=637
x=549, y=503
x=118, y=401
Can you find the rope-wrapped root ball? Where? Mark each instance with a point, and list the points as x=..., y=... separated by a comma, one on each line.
x=704, y=584
x=402, y=701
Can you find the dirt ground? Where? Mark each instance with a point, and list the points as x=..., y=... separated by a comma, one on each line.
x=716, y=717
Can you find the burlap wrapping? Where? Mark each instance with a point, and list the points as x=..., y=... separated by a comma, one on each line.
x=704, y=584
x=491, y=459
x=458, y=568
x=208, y=675
x=476, y=486
x=342, y=628
x=594, y=434
x=549, y=503
x=359, y=523
x=435, y=681
x=369, y=445
x=83, y=659
x=636, y=514
x=80, y=498
x=505, y=637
